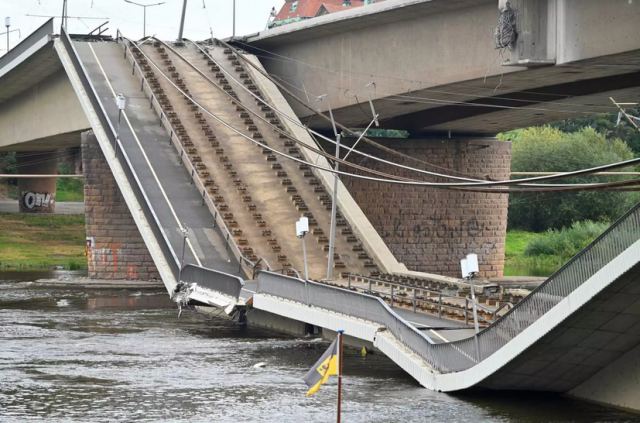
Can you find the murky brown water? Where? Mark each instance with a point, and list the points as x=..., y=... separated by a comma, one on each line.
x=73, y=355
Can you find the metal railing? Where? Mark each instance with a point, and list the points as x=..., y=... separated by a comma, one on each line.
x=184, y=157
x=212, y=279
x=195, y=273
x=121, y=155
x=435, y=300
x=463, y=354
x=346, y=302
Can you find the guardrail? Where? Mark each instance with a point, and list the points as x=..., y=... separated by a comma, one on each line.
x=212, y=279
x=463, y=354
x=184, y=157
x=395, y=297
x=620, y=236
x=121, y=155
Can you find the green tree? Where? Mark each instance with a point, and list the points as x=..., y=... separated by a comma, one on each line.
x=546, y=149
x=608, y=125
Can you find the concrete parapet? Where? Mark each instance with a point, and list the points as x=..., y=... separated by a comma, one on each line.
x=115, y=249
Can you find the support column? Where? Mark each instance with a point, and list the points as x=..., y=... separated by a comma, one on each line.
x=37, y=195
x=115, y=249
x=431, y=229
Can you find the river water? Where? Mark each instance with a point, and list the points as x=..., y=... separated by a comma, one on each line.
x=70, y=354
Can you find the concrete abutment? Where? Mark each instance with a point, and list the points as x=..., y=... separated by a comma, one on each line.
x=115, y=248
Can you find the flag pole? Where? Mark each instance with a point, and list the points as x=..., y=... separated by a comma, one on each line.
x=340, y=334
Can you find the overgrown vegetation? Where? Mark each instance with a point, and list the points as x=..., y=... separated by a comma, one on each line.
x=546, y=149
x=31, y=241
x=540, y=254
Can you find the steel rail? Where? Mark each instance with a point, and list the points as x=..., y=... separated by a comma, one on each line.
x=461, y=186
x=165, y=122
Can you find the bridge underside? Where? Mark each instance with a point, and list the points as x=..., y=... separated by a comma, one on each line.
x=592, y=339
x=430, y=66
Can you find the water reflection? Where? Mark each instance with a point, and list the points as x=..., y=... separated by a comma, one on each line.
x=70, y=355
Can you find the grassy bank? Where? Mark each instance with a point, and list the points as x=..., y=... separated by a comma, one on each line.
x=29, y=241
x=540, y=254
x=519, y=264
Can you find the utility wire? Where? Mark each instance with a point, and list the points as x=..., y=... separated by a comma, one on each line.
x=403, y=182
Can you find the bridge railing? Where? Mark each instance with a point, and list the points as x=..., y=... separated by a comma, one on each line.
x=463, y=354
x=347, y=302
x=121, y=155
x=574, y=273
x=212, y=279
x=232, y=246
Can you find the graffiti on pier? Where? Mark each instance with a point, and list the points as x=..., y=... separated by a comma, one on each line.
x=33, y=200
x=434, y=227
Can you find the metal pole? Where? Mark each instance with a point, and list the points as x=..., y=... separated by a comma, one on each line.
x=115, y=147
x=339, y=411
x=234, y=19
x=184, y=244
x=414, y=300
x=144, y=21
x=475, y=318
x=184, y=12
x=304, y=254
x=391, y=295
x=334, y=211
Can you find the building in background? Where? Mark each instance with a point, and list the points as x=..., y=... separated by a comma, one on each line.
x=298, y=10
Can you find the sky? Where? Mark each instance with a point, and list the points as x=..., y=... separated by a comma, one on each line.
x=162, y=21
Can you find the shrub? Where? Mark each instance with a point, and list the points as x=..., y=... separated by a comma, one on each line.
x=545, y=149
x=565, y=243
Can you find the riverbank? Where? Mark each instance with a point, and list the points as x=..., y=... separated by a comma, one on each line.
x=31, y=242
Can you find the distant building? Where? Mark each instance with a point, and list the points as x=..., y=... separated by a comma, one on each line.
x=298, y=10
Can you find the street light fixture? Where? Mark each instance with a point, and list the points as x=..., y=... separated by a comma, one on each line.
x=470, y=269
x=121, y=103
x=7, y=23
x=144, y=8
x=334, y=202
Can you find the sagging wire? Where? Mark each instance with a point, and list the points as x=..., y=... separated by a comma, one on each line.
x=519, y=181
x=322, y=115
x=466, y=186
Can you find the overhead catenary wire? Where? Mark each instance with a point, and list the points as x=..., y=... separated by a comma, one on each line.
x=466, y=186
x=559, y=175
x=371, y=142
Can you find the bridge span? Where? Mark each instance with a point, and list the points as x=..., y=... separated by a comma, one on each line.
x=205, y=171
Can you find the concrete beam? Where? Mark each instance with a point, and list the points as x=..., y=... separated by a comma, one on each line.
x=44, y=117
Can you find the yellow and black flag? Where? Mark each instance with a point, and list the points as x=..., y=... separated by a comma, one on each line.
x=326, y=366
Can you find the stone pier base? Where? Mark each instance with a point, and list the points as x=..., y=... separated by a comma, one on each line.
x=115, y=249
x=430, y=229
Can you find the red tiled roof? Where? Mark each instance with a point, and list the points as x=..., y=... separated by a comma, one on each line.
x=310, y=8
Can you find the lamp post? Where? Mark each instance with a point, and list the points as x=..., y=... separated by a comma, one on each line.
x=184, y=12
x=302, y=228
x=144, y=14
x=234, y=19
x=7, y=23
x=334, y=202
x=470, y=269
x=121, y=103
